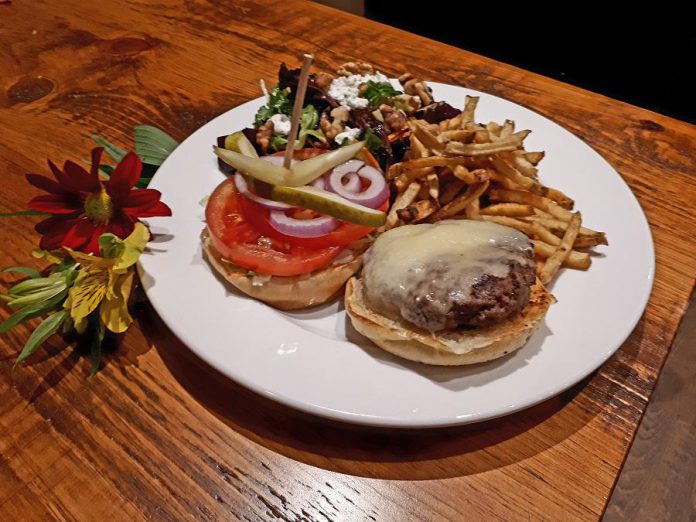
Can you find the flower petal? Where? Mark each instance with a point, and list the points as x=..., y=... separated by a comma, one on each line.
x=56, y=204
x=121, y=225
x=80, y=178
x=155, y=210
x=124, y=177
x=73, y=233
x=92, y=246
x=145, y=203
x=96, y=160
x=44, y=183
x=63, y=180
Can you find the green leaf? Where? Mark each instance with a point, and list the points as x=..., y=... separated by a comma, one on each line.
x=46, y=329
x=24, y=270
x=31, y=311
x=106, y=170
x=372, y=142
x=278, y=103
x=110, y=245
x=308, y=122
x=33, y=286
x=116, y=153
x=279, y=142
x=143, y=182
x=153, y=145
x=378, y=93
x=38, y=296
x=24, y=213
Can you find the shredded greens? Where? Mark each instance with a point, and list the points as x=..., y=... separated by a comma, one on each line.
x=278, y=103
x=378, y=93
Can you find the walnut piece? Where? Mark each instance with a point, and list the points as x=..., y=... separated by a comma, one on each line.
x=264, y=135
x=416, y=87
x=409, y=103
x=349, y=68
x=394, y=118
x=323, y=80
x=337, y=124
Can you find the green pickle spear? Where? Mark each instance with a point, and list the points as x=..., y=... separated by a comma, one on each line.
x=328, y=203
x=238, y=142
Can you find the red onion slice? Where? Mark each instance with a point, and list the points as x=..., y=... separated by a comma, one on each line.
x=352, y=183
x=320, y=183
x=373, y=196
x=243, y=189
x=316, y=227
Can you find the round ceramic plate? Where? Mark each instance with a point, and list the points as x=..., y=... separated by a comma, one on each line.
x=314, y=361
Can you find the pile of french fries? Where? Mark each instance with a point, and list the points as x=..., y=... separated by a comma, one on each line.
x=459, y=169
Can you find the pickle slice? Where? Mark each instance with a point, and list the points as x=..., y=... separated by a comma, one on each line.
x=329, y=203
x=306, y=171
x=238, y=142
x=254, y=167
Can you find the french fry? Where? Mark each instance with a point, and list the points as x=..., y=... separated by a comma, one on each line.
x=461, y=135
x=508, y=209
x=559, y=197
x=452, y=123
x=417, y=211
x=586, y=236
x=506, y=169
x=520, y=162
x=418, y=150
x=409, y=176
x=469, y=110
x=527, y=198
x=473, y=210
x=534, y=157
x=532, y=229
x=576, y=260
x=432, y=161
x=507, y=129
x=493, y=130
x=555, y=260
x=470, y=176
x=458, y=205
x=403, y=200
x=510, y=143
x=426, y=135
x=433, y=185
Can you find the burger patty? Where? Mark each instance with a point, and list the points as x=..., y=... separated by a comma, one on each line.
x=439, y=301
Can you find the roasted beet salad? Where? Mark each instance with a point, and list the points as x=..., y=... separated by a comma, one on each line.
x=356, y=103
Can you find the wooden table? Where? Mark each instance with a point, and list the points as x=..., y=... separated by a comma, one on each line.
x=158, y=434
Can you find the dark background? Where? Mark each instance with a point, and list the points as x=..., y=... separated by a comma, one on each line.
x=643, y=55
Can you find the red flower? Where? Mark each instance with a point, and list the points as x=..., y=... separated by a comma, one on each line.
x=84, y=207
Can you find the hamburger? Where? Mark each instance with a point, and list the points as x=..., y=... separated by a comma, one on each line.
x=453, y=292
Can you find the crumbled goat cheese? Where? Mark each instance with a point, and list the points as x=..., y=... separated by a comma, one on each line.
x=344, y=89
x=281, y=124
x=348, y=133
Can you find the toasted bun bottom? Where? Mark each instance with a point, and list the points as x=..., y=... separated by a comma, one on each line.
x=285, y=293
x=447, y=348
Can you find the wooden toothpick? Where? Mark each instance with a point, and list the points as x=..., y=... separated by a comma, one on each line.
x=297, y=108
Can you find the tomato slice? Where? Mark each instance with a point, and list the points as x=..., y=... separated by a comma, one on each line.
x=346, y=233
x=239, y=241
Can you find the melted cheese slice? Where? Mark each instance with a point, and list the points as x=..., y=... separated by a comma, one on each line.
x=406, y=263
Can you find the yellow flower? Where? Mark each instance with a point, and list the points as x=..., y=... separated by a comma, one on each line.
x=106, y=282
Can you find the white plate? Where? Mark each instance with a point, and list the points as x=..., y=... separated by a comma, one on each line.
x=315, y=362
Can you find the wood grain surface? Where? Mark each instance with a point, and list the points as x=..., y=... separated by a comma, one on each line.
x=658, y=480
x=158, y=434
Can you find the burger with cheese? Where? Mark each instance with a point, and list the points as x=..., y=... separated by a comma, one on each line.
x=450, y=293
